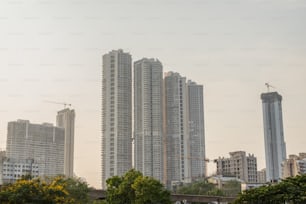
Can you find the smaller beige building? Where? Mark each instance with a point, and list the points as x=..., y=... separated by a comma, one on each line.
x=295, y=165
x=261, y=176
x=239, y=165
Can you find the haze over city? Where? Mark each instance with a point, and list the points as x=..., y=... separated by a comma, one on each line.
x=52, y=50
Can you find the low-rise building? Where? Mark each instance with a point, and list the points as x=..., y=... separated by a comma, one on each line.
x=238, y=165
x=295, y=165
x=261, y=176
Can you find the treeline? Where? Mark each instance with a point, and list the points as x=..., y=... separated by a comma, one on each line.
x=48, y=191
x=291, y=190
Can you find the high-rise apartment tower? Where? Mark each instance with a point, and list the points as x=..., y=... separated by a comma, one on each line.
x=116, y=114
x=43, y=143
x=196, y=130
x=148, y=117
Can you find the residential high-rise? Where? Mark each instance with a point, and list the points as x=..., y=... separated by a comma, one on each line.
x=275, y=147
x=116, y=114
x=184, y=130
x=65, y=119
x=148, y=117
x=43, y=143
x=239, y=165
x=176, y=123
x=196, y=130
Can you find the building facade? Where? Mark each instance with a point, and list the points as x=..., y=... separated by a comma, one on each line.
x=42, y=143
x=176, y=127
x=275, y=147
x=65, y=119
x=295, y=165
x=239, y=165
x=196, y=130
x=148, y=117
x=261, y=176
x=116, y=114
x=14, y=170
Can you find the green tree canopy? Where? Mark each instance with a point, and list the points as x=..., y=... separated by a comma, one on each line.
x=290, y=190
x=134, y=188
x=53, y=190
x=202, y=187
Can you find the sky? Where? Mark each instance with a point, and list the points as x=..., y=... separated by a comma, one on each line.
x=52, y=50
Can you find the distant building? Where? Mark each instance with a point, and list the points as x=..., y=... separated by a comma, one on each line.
x=148, y=118
x=184, y=130
x=238, y=165
x=261, y=176
x=275, y=147
x=176, y=127
x=65, y=119
x=14, y=170
x=116, y=114
x=41, y=143
x=295, y=165
x=196, y=130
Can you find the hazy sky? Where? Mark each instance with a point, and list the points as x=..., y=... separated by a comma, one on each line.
x=52, y=50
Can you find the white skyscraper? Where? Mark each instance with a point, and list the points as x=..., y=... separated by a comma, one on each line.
x=177, y=133
x=275, y=146
x=196, y=130
x=43, y=143
x=148, y=117
x=116, y=114
x=65, y=119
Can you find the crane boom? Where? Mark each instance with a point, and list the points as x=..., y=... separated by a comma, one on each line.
x=60, y=103
x=269, y=86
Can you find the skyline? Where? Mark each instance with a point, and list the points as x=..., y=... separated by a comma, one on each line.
x=53, y=51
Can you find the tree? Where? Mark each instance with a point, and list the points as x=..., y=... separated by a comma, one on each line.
x=150, y=191
x=289, y=190
x=49, y=191
x=134, y=188
x=200, y=188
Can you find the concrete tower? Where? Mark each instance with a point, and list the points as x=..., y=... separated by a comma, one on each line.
x=116, y=114
x=148, y=117
x=275, y=147
x=65, y=119
x=196, y=130
x=176, y=127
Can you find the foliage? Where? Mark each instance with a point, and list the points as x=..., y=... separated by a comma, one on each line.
x=231, y=188
x=134, y=188
x=290, y=190
x=55, y=190
x=200, y=188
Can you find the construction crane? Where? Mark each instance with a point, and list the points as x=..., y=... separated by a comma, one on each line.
x=269, y=86
x=60, y=103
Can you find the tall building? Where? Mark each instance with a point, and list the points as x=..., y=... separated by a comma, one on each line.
x=65, y=119
x=42, y=143
x=148, y=117
x=239, y=165
x=196, y=130
x=184, y=130
x=116, y=114
x=275, y=147
x=176, y=123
